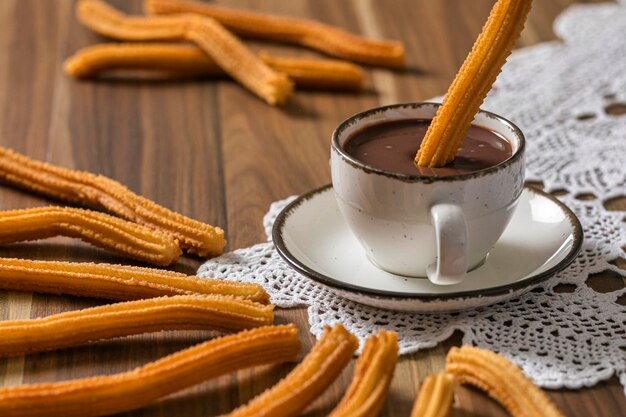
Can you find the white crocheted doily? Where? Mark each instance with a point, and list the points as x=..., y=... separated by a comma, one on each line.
x=563, y=95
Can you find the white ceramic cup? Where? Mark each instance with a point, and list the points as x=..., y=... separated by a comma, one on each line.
x=426, y=226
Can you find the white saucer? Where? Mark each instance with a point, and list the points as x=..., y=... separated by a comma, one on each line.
x=543, y=237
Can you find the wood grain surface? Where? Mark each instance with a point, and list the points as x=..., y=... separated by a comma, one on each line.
x=211, y=150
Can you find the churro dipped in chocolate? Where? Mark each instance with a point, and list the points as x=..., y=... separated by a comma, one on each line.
x=84, y=188
x=308, y=380
x=126, y=391
x=315, y=35
x=99, y=229
x=501, y=380
x=435, y=396
x=372, y=375
x=188, y=60
x=182, y=312
x=473, y=82
x=115, y=282
x=218, y=43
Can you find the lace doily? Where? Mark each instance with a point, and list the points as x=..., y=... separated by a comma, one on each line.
x=565, y=96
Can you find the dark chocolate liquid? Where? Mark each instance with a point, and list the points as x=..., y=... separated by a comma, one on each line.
x=392, y=146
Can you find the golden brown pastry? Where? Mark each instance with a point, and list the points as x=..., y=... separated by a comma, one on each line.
x=308, y=380
x=325, y=38
x=435, y=396
x=473, y=82
x=188, y=60
x=317, y=73
x=99, y=229
x=371, y=378
x=85, y=188
x=180, y=312
x=225, y=49
x=501, y=380
x=115, y=282
x=102, y=395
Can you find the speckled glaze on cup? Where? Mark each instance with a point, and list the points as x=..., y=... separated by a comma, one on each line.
x=426, y=226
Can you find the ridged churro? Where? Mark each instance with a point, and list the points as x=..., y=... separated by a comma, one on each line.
x=182, y=312
x=473, y=82
x=308, y=380
x=103, y=395
x=188, y=60
x=435, y=396
x=501, y=380
x=99, y=229
x=373, y=372
x=317, y=73
x=319, y=36
x=224, y=48
x=169, y=57
x=92, y=190
x=115, y=282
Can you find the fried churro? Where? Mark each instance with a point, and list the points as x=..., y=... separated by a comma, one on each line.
x=168, y=57
x=372, y=375
x=92, y=190
x=501, y=380
x=308, y=380
x=115, y=282
x=99, y=229
x=317, y=73
x=435, y=396
x=188, y=60
x=315, y=35
x=182, y=312
x=110, y=394
x=473, y=82
x=224, y=48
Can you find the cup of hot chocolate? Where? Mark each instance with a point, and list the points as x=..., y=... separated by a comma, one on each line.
x=425, y=222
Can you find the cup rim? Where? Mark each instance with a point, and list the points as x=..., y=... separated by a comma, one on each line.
x=417, y=177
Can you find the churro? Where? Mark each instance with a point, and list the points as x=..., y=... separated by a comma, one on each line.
x=187, y=60
x=99, y=229
x=473, y=82
x=166, y=57
x=371, y=378
x=435, y=396
x=115, y=282
x=103, y=395
x=182, y=312
x=315, y=35
x=92, y=190
x=317, y=73
x=224, y=48
x=308, y=380
x=501, y=380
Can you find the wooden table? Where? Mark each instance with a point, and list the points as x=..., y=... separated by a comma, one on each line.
x=214, y=152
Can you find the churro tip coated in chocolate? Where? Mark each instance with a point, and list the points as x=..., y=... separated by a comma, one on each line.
x=472, y=83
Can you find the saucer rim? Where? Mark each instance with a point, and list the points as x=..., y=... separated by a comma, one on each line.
x=531, y=281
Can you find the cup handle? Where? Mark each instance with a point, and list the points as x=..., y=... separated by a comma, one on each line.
x=451, y=234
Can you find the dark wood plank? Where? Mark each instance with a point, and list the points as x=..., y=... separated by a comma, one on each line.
x=214, y=152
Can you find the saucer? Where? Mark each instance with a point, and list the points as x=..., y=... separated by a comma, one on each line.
x=543, y=237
